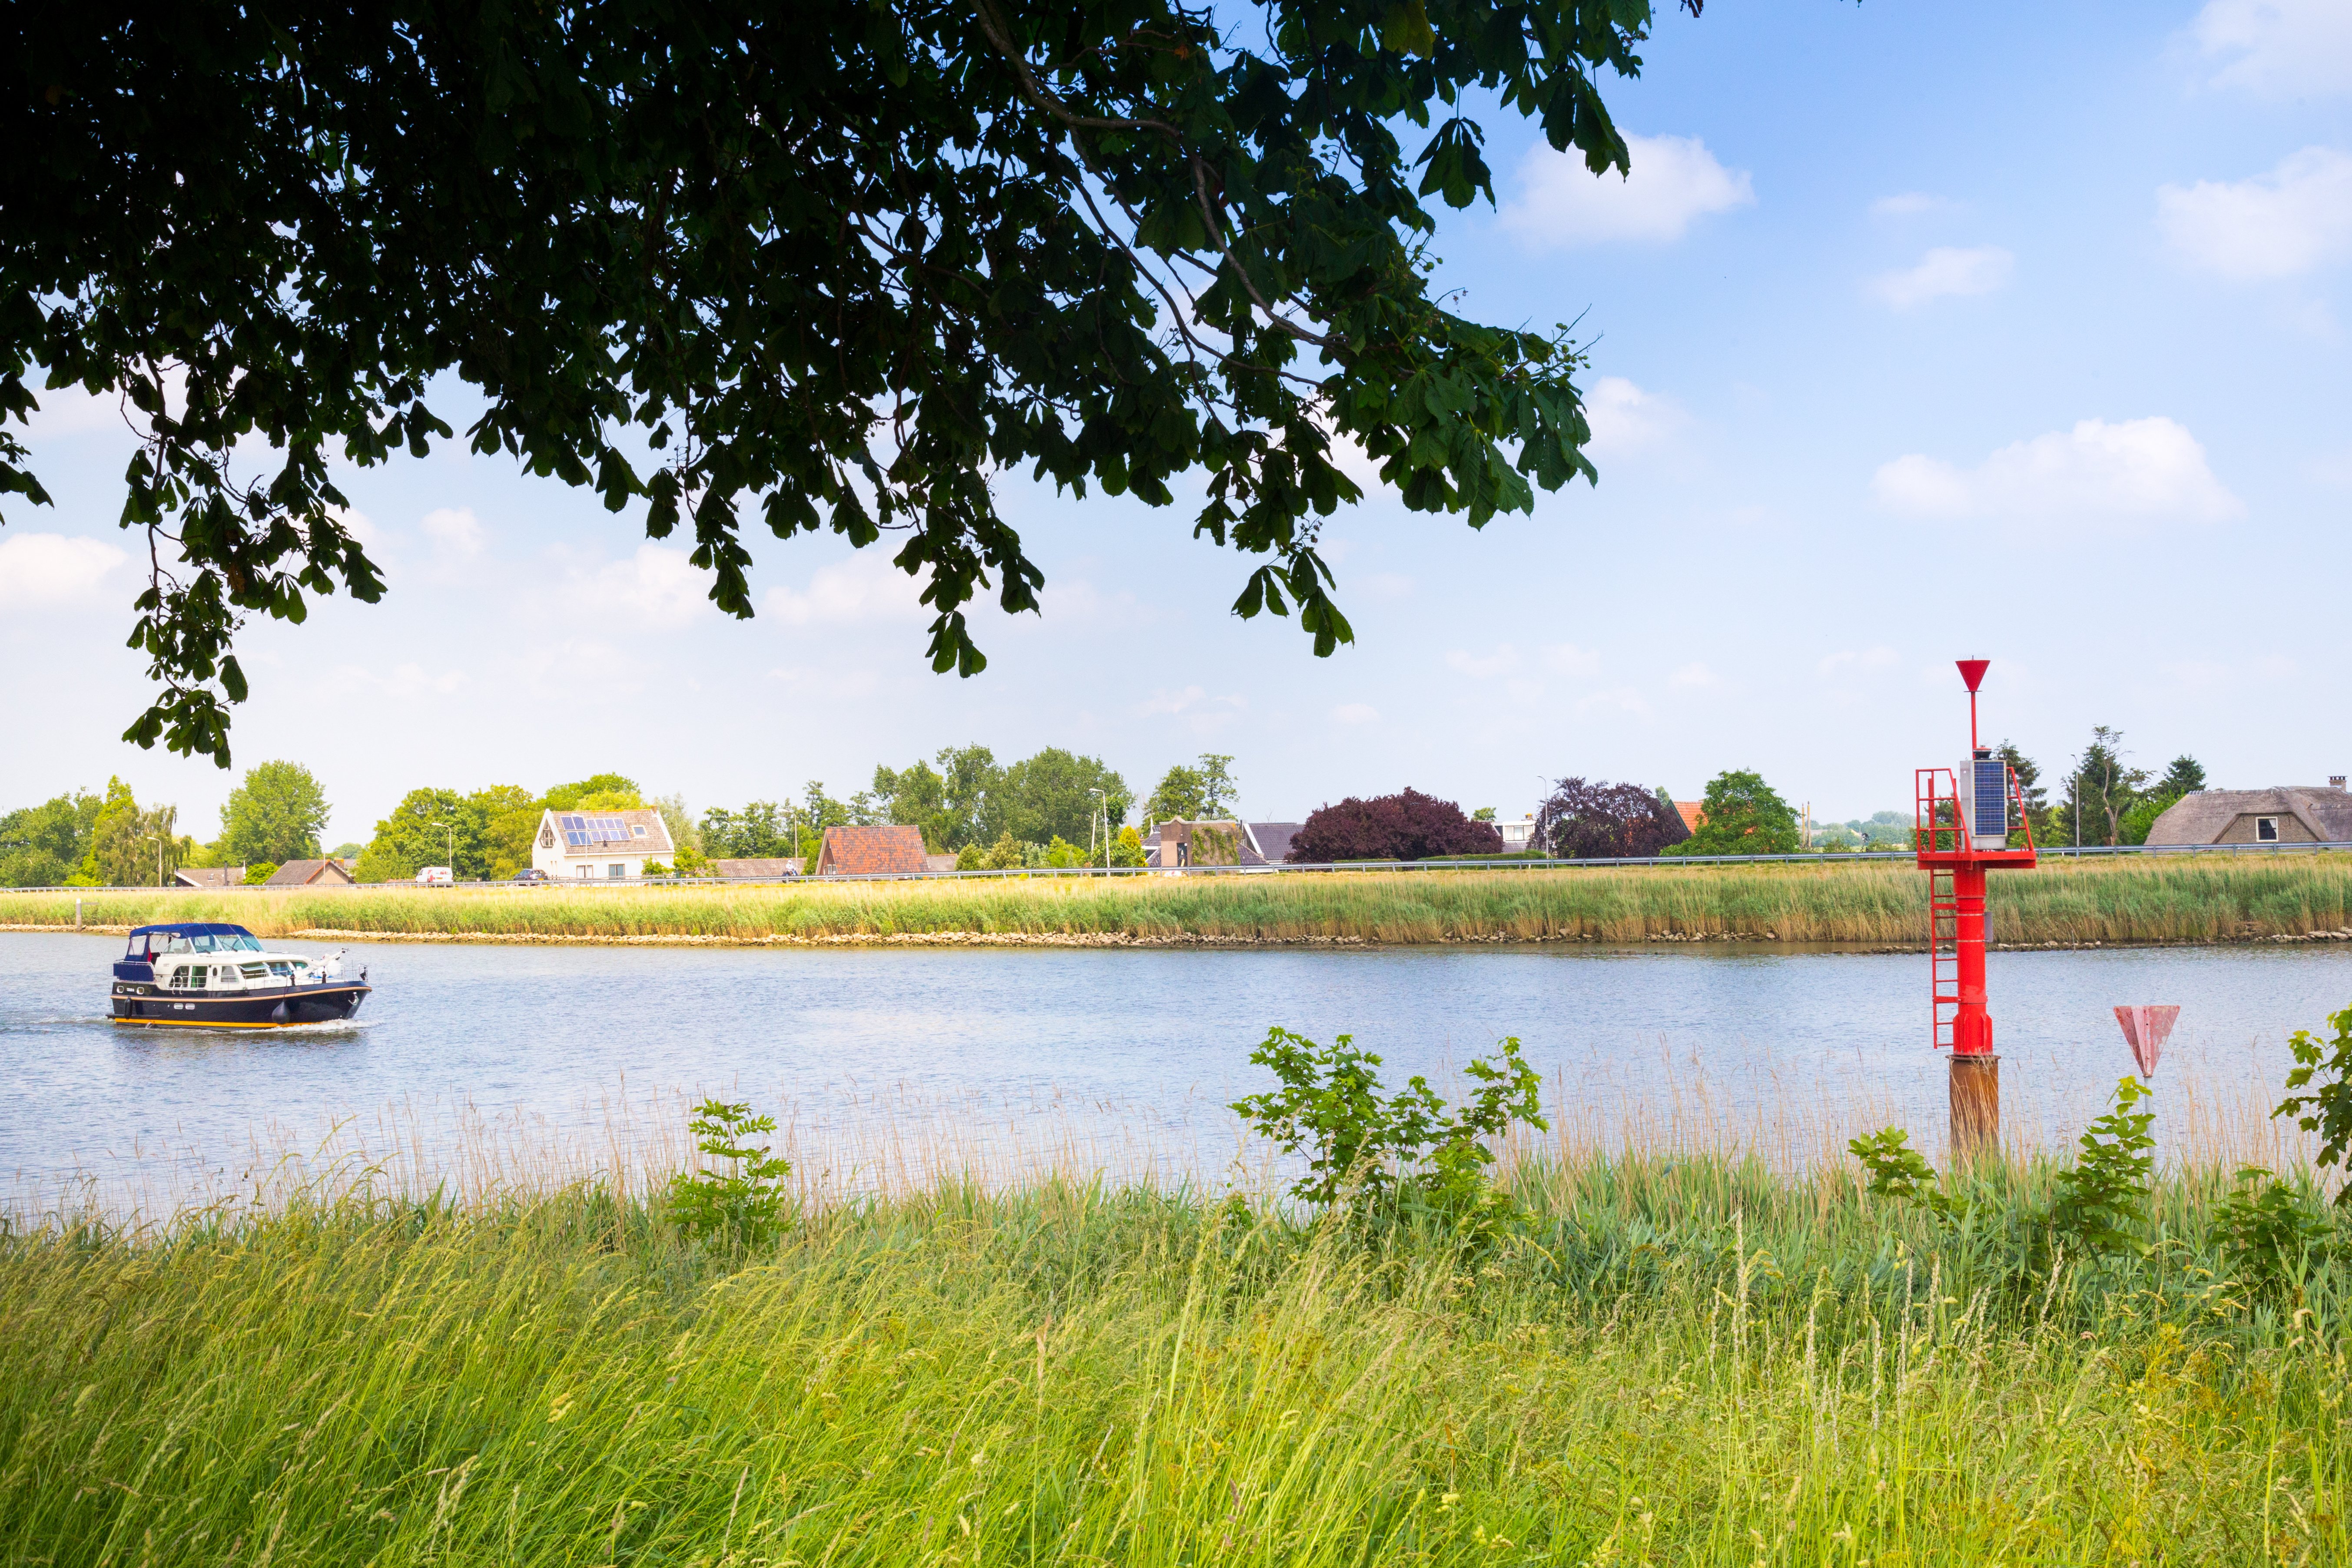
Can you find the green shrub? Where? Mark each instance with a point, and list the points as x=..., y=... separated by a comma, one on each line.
x=741, y=1205
x=2327, y=1109
x=1379, y=1147
x=255, y=875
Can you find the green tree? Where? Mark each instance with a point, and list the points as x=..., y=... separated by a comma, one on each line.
x=916, y=796
x=129, y=848
x=421, y=831
x=683, y=832
x=597, y=792
x=505, y=818
x=817, y=811
x=2184, y=776
x=1741, y=814
x=1109, y=244
x=42, y=846
x=2038, y=812
x=2102, y=790
x=275, y=814
x=1191, y=794
x=1050, y=795
x=761, y=830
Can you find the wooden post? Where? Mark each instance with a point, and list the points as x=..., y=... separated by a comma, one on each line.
x=1976, y=1106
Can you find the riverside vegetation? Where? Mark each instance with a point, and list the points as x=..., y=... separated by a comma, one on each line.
x=2174, y=899
x=1621, y=1361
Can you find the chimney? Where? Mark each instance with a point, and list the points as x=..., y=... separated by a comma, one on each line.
x=2336, y=781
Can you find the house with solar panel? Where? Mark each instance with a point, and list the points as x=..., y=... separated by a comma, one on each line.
x=600, y=845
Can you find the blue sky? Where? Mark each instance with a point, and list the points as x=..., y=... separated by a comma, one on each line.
x=1920, y=331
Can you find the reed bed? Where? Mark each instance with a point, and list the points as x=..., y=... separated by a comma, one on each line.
x=2184, y=899
x=1687, y=1360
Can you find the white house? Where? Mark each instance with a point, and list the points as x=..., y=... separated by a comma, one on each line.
x=599, y=845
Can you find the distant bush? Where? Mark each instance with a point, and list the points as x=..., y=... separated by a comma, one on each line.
x=1741, y=814
x=1599, y=821
x=257, y=874
x=1407, y=827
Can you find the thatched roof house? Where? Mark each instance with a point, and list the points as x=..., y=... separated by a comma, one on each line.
x=762, y=868
x=2286, y=815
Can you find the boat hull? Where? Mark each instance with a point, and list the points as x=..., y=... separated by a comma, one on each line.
x=279, y=1007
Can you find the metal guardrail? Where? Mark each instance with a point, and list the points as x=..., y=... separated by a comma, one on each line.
x=1813, y=858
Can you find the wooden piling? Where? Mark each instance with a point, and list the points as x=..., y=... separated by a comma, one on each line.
x=1976, y=1105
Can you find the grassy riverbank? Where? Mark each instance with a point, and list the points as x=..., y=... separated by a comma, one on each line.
x=2184, y=899
x=1681, y=1362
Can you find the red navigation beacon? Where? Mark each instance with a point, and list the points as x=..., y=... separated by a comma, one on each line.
x=1962, y=820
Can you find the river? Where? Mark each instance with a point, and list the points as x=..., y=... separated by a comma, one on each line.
x=489, y=1063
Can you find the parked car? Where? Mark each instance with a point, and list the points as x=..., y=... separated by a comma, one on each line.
x=434, y=876
x=534, y=874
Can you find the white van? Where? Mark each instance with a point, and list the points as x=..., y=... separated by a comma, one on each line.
x=434, y=876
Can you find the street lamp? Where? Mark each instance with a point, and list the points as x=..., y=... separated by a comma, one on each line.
x=451, y=824
x=157, y=839
x=1102, y=804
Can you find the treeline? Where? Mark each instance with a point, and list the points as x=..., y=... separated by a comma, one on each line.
x=1054, y=808
x=84, y=840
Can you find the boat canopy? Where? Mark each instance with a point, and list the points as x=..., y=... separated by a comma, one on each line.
x=190, y=936
x=192, y=928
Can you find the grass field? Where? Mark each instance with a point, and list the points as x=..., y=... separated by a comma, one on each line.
x=2185, y=898
x=1677, y=1362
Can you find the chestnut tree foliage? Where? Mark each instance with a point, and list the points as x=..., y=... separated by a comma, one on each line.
x=823, y=266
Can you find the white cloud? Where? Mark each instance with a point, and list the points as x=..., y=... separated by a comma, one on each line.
x=2296, y=218
x=1674, y=181
x=454, y=534
x=1356, y=713
x=1627, y=420
x=1695, y=675
x=864, y=590
x=1908, y=204
x=1943, y=271
x=2137, y=470
x=658, y=587
x=1484, y=666
x=1567, y=658
x=43, y=569
x=2280, y=46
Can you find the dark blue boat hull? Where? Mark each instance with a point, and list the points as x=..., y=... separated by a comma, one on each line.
x=279, y=1007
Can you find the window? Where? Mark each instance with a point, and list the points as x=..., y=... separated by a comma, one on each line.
x=639, y=828
x=197, y=977
x=179, y=978
x=204, y=944
x=254, y=971
x=2266, y=830
x=581, y=870
x=547, y=839
x=616, y=868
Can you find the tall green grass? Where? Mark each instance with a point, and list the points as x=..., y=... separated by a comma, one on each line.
x=2185, y=898
x=1687, y=1361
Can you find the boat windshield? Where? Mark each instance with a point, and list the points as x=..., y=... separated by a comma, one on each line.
x=282, y=969
x=244, y=941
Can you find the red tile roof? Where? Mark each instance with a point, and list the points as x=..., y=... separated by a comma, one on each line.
x=871, y=851
x=1691, y=813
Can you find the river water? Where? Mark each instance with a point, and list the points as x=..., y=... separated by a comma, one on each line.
x=486, y=1063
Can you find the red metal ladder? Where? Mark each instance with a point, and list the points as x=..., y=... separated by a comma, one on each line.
x=1943, y=956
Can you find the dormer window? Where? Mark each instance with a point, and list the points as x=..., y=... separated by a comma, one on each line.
x=2266, y=830
x=639, y=828
x=547, y=839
